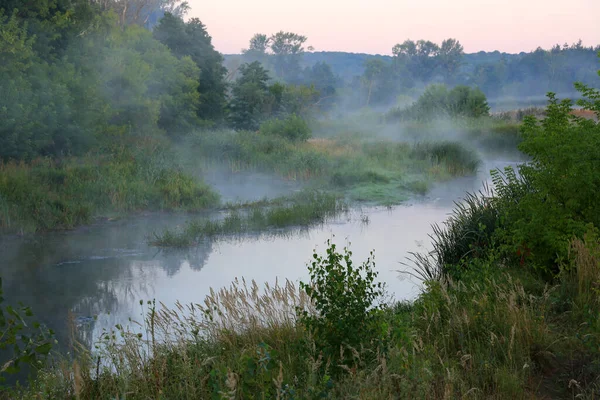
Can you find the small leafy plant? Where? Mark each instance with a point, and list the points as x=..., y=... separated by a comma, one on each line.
x=18, y=344
x=345, y=299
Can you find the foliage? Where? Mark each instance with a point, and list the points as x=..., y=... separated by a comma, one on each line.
x=301, y=210
x=143, y=12
x=192, y=40
x=47, y=194
x=250, y=97
x=292, y=127
x=281, y=52
x=110, y=83
x=439, y=102
x=557, y=189
x=345, y=299
x=466, y=237
x=423, y=58
x=536, y=72
x=23, y=341
x=254, y=101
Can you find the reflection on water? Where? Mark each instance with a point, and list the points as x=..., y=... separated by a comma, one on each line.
x=105, y=270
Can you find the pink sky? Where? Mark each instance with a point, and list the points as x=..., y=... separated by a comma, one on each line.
x=374, y=26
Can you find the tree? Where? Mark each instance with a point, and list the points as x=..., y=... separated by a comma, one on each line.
x=257, y=50
x=424, y=58
x=140, y=12
x=325, y=81
x=250, y=97
x=558, y=189
x=192, y=40
x=373, y=70
x=451, y=53
x=287, y=48
x=379, y=82
x=439, y=102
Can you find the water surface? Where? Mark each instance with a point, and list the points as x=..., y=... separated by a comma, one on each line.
x=104, y=270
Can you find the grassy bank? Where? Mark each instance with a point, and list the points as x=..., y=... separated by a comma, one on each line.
x=498, y=333
x=46, y=194
x=361, y=168
x=152, y=174
x=301, y=210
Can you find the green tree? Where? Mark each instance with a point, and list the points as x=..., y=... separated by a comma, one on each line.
x=287, y=49
x=192, y=40
x=139, y=12
x=558, y=188
x=323, y=79
x=439, y=102
x=451, y=54
x=380, y=82
x=257, y=49
x=250, y=97
x=424, y=59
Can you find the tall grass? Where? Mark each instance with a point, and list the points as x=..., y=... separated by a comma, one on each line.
x=465, y=236
x=494, y=334
x=304, y=209
x=342, y=163
x=47, y=194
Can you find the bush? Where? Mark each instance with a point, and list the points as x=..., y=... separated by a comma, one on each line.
x=291, y=127
x=19, y=344
x=345, y=298
x=47, y=194
x=439, y=102
x=557, y=190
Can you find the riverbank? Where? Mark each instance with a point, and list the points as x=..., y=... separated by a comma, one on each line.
x=499, y=332
x=153, y=174
x=47, y=194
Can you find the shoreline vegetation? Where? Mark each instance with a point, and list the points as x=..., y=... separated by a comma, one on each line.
x=47, y=194
x=301, y=210
x=109, y=109
x=54, y=194
x=508, y=310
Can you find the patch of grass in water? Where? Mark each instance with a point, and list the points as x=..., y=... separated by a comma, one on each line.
x=392, y=193
x=343, y=163
x=303, y=209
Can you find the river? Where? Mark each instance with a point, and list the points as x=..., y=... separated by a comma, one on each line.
x=97, y=275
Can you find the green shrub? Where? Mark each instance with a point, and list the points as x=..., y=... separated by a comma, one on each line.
x=345, y=299
x=291, y=127
x=20, y=343
x=439, y=102
x=554, y=197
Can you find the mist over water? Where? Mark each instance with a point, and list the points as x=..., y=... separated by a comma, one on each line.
x=104, y=270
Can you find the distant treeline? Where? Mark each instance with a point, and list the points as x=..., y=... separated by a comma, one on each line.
x=364, y=79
